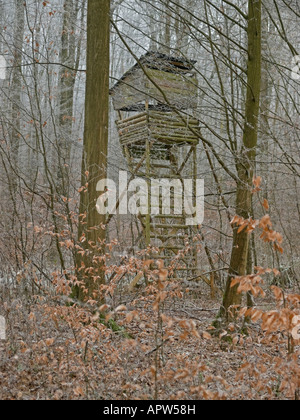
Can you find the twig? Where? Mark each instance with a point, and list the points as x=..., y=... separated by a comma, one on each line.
x=200, y=310
x=157, y=347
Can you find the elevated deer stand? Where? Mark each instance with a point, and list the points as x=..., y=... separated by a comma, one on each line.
x=159, y=139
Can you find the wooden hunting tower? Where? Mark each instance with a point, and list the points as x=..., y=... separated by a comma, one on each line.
x=159, y=138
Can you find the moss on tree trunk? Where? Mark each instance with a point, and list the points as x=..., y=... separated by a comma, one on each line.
x=94, y=161
x=246, y=159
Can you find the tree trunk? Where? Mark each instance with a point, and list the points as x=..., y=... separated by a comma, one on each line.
x=94, y=161
x=16, y=87
x=67, y=78
x=246, y=163
x=167, y=34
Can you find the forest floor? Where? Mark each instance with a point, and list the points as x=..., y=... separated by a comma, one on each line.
x=58, y=352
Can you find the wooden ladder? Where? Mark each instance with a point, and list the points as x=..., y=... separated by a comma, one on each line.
x=174, y=242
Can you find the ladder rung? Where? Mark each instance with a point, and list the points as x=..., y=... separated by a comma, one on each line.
x=173, y=196
x=157, y=176
x=167, y=237
x=168, y=216
x=175, y=279
x=162, y=226
x=172, y=258
x=168, y=176
x=171, y=247
x=159, y=165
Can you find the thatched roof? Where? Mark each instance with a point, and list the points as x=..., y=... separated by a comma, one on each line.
x=158, y=61
x=174, y=76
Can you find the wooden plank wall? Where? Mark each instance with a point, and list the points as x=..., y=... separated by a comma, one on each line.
x=166, y=129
